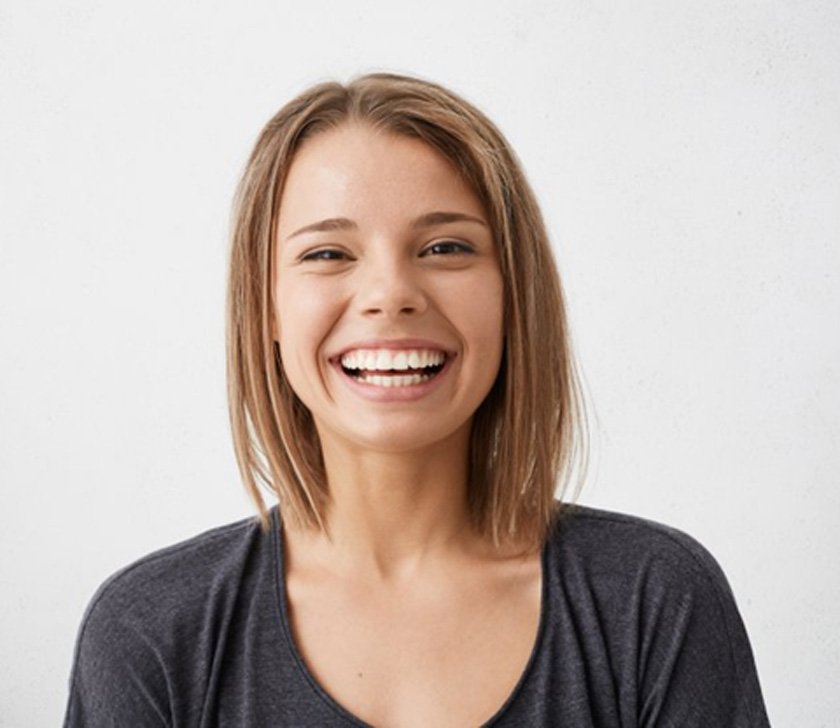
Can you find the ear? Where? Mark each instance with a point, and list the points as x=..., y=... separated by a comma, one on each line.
x=275, y=329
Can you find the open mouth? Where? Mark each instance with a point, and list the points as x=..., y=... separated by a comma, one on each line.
x=393, y=368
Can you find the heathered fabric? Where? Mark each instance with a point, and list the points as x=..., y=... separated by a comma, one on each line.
x=638, y=628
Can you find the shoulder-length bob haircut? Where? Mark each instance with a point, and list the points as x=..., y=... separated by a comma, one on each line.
x=529, y=438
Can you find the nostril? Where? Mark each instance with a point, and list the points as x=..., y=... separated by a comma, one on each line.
x=393, y=297
x=405, y=310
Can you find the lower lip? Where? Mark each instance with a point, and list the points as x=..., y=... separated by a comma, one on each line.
x=406, y=393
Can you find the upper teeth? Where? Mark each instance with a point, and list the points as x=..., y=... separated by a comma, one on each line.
x=387, y=359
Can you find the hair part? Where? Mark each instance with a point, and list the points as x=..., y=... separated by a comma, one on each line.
x=529, y=440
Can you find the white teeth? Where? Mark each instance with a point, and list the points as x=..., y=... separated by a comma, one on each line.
x=392, y=360
x=394, y=380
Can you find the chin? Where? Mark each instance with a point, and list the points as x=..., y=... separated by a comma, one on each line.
x=402, y=438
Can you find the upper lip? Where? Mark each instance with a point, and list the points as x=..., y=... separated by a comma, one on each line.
x=397, y=344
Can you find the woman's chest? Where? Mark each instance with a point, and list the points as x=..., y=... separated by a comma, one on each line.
x=428, y=657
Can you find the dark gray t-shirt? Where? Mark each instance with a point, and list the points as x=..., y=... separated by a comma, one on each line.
x=638, y=628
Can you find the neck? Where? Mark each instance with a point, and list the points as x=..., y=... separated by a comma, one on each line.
x=390, y=514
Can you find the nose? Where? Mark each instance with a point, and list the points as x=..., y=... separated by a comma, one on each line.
x=390, y=288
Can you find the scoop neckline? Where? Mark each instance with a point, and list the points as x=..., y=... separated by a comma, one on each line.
x=324, y=696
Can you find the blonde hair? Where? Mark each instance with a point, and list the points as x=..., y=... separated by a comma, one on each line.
x=529, y=436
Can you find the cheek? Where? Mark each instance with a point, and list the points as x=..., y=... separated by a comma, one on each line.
x=298, y=352
x=303, y=319
x=483, y=309
x=297, y=310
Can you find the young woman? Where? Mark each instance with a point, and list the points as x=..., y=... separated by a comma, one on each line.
x=401, y=381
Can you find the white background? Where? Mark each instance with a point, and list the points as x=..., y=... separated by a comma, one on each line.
x=687, y=158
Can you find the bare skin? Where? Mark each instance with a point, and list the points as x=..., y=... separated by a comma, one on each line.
x=405, y=617
x=402, y=613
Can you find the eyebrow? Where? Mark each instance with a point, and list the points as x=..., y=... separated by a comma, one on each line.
x=427, y=220
x=440, y=218
x=332, y=223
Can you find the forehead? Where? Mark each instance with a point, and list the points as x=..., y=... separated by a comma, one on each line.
x=368, y=175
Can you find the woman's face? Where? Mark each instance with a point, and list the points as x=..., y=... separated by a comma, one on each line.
x=387, y=291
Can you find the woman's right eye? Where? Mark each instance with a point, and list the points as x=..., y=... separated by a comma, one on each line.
x=325, y=254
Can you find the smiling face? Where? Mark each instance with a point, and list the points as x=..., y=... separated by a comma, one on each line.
x=387, y=291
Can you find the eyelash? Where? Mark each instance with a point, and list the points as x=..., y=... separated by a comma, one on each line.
x=328, y=254
x=455, y=247
x=451, y=247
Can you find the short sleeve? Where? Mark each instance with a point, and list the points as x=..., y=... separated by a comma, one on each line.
x=696, y=665
x=118, y=678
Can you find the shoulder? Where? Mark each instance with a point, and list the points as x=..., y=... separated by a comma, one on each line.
x=149, y=626
x=604, y=542
x=652, y=603
x=179, y=574
x=630, y=579
x=618, y=563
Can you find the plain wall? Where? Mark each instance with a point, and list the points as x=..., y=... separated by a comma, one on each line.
x=687, y=159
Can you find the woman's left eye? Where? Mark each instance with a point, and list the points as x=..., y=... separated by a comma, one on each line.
x=447, y=247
